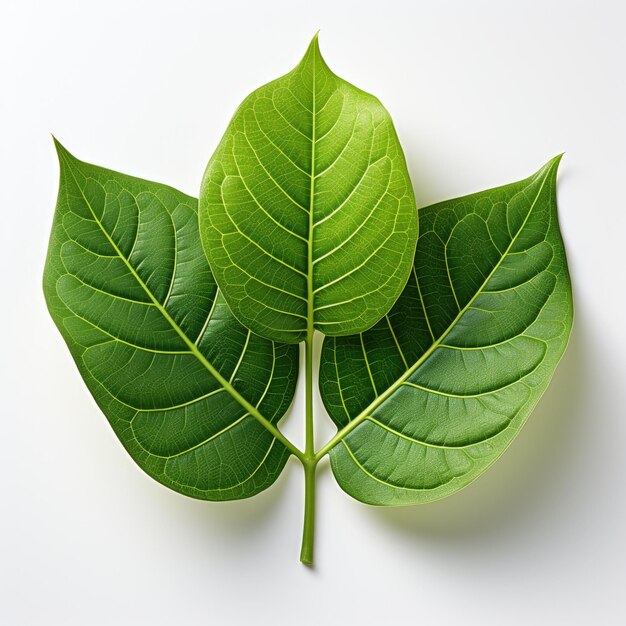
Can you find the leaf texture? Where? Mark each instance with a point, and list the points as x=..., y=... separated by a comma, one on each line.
x=307, y=212
x=429, y=397
x=182, y=383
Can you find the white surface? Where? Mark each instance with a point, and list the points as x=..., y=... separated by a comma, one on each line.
x=482, y=93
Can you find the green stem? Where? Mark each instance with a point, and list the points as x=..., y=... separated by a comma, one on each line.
x=309, y=461
x=309, y=446
x=308, y=532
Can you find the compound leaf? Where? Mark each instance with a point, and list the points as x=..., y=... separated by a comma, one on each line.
x=307, y=212
x=429, y=397
x=183, y=384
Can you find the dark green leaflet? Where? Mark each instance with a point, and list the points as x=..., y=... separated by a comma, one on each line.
x=307, y=212
x=192, y=395
x=429, y=397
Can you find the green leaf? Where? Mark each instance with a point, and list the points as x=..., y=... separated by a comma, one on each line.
x=432, y=395
x=307, y=212
x=192, y=395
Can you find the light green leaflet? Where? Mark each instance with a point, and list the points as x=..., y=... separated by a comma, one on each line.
x=427, y=399
x=307, y=212
x=192, y=395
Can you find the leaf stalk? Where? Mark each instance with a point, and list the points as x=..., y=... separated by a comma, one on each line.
x=308, y=531
x=309, y=461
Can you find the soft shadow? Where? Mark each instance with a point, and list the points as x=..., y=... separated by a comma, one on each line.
x=533, y=478
x=429, y=184
x=234, y=518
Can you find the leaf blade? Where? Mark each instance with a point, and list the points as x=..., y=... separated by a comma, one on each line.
x=469, y=344
x=306, y=208
x=128, y=286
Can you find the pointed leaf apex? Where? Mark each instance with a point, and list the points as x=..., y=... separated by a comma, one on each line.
x=551, y=167
x=57, y=144
x=313, y=54
x=315, y=45
x=557, y=159
x=61, y=149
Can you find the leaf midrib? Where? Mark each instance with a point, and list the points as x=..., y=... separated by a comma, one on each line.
x=341, y=434
x=193, y=348
x=310, y=291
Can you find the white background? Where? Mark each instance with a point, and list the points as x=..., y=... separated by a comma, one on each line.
x=482, y=93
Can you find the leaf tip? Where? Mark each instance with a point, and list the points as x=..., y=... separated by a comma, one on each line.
x=315, y=44
x=56, y=142
x=549, y=168
x=557, y=159
x=313, y=52
x=552, y=165
x=60, y=148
